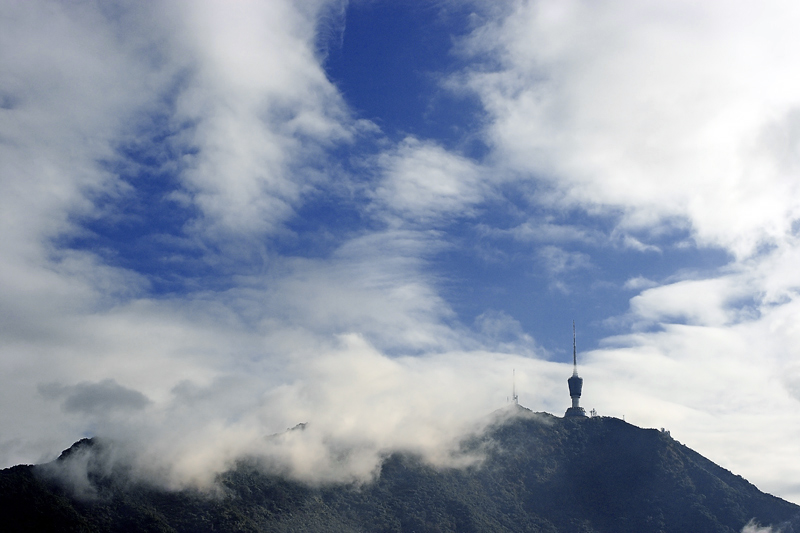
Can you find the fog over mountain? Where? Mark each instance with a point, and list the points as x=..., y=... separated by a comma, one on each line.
x=218, y=221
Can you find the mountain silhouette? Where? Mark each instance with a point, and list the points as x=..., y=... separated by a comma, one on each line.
x=538, y=473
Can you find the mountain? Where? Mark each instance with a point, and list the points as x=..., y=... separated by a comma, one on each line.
x=540, y=473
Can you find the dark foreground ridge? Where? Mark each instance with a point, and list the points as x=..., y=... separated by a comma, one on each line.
x=541, y=474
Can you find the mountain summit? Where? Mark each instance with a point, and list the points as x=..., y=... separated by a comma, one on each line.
x=539, y=473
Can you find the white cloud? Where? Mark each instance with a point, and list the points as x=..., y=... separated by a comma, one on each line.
x=550, y=232
x=660, y=110
x=375, y=284
x=261, y=107
x=505, y=334
x=558, y=261
x=425, y=184
x=753, y=527
x=246, y=107
x=71, y=85
x=696, y=301
x=638, y=283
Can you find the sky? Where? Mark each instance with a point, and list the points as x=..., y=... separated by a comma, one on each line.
x=219, y=220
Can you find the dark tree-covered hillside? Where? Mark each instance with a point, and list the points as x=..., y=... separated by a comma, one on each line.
x=541, y=473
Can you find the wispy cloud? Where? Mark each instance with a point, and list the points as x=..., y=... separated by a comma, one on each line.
x=426, y=185
x=558, y=260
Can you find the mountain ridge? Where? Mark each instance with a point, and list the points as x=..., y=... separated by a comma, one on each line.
x=539, y=473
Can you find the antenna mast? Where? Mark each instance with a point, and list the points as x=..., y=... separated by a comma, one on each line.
x=574, y=352
x=514, y=396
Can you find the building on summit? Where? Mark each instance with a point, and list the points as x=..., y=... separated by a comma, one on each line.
x=575, y=382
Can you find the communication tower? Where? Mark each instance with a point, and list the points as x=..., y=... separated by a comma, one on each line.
x=575, y=382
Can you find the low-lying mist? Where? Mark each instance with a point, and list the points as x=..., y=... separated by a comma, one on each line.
x=345, y=410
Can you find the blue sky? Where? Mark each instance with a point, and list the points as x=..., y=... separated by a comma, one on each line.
x=222, y=219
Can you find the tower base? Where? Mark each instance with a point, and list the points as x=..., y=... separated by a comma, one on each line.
x=575, y=411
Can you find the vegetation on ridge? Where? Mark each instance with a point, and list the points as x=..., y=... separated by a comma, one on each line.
x=540, y=474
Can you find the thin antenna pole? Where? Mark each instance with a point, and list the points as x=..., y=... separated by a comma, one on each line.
x=574, y=352
x=514, y=386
